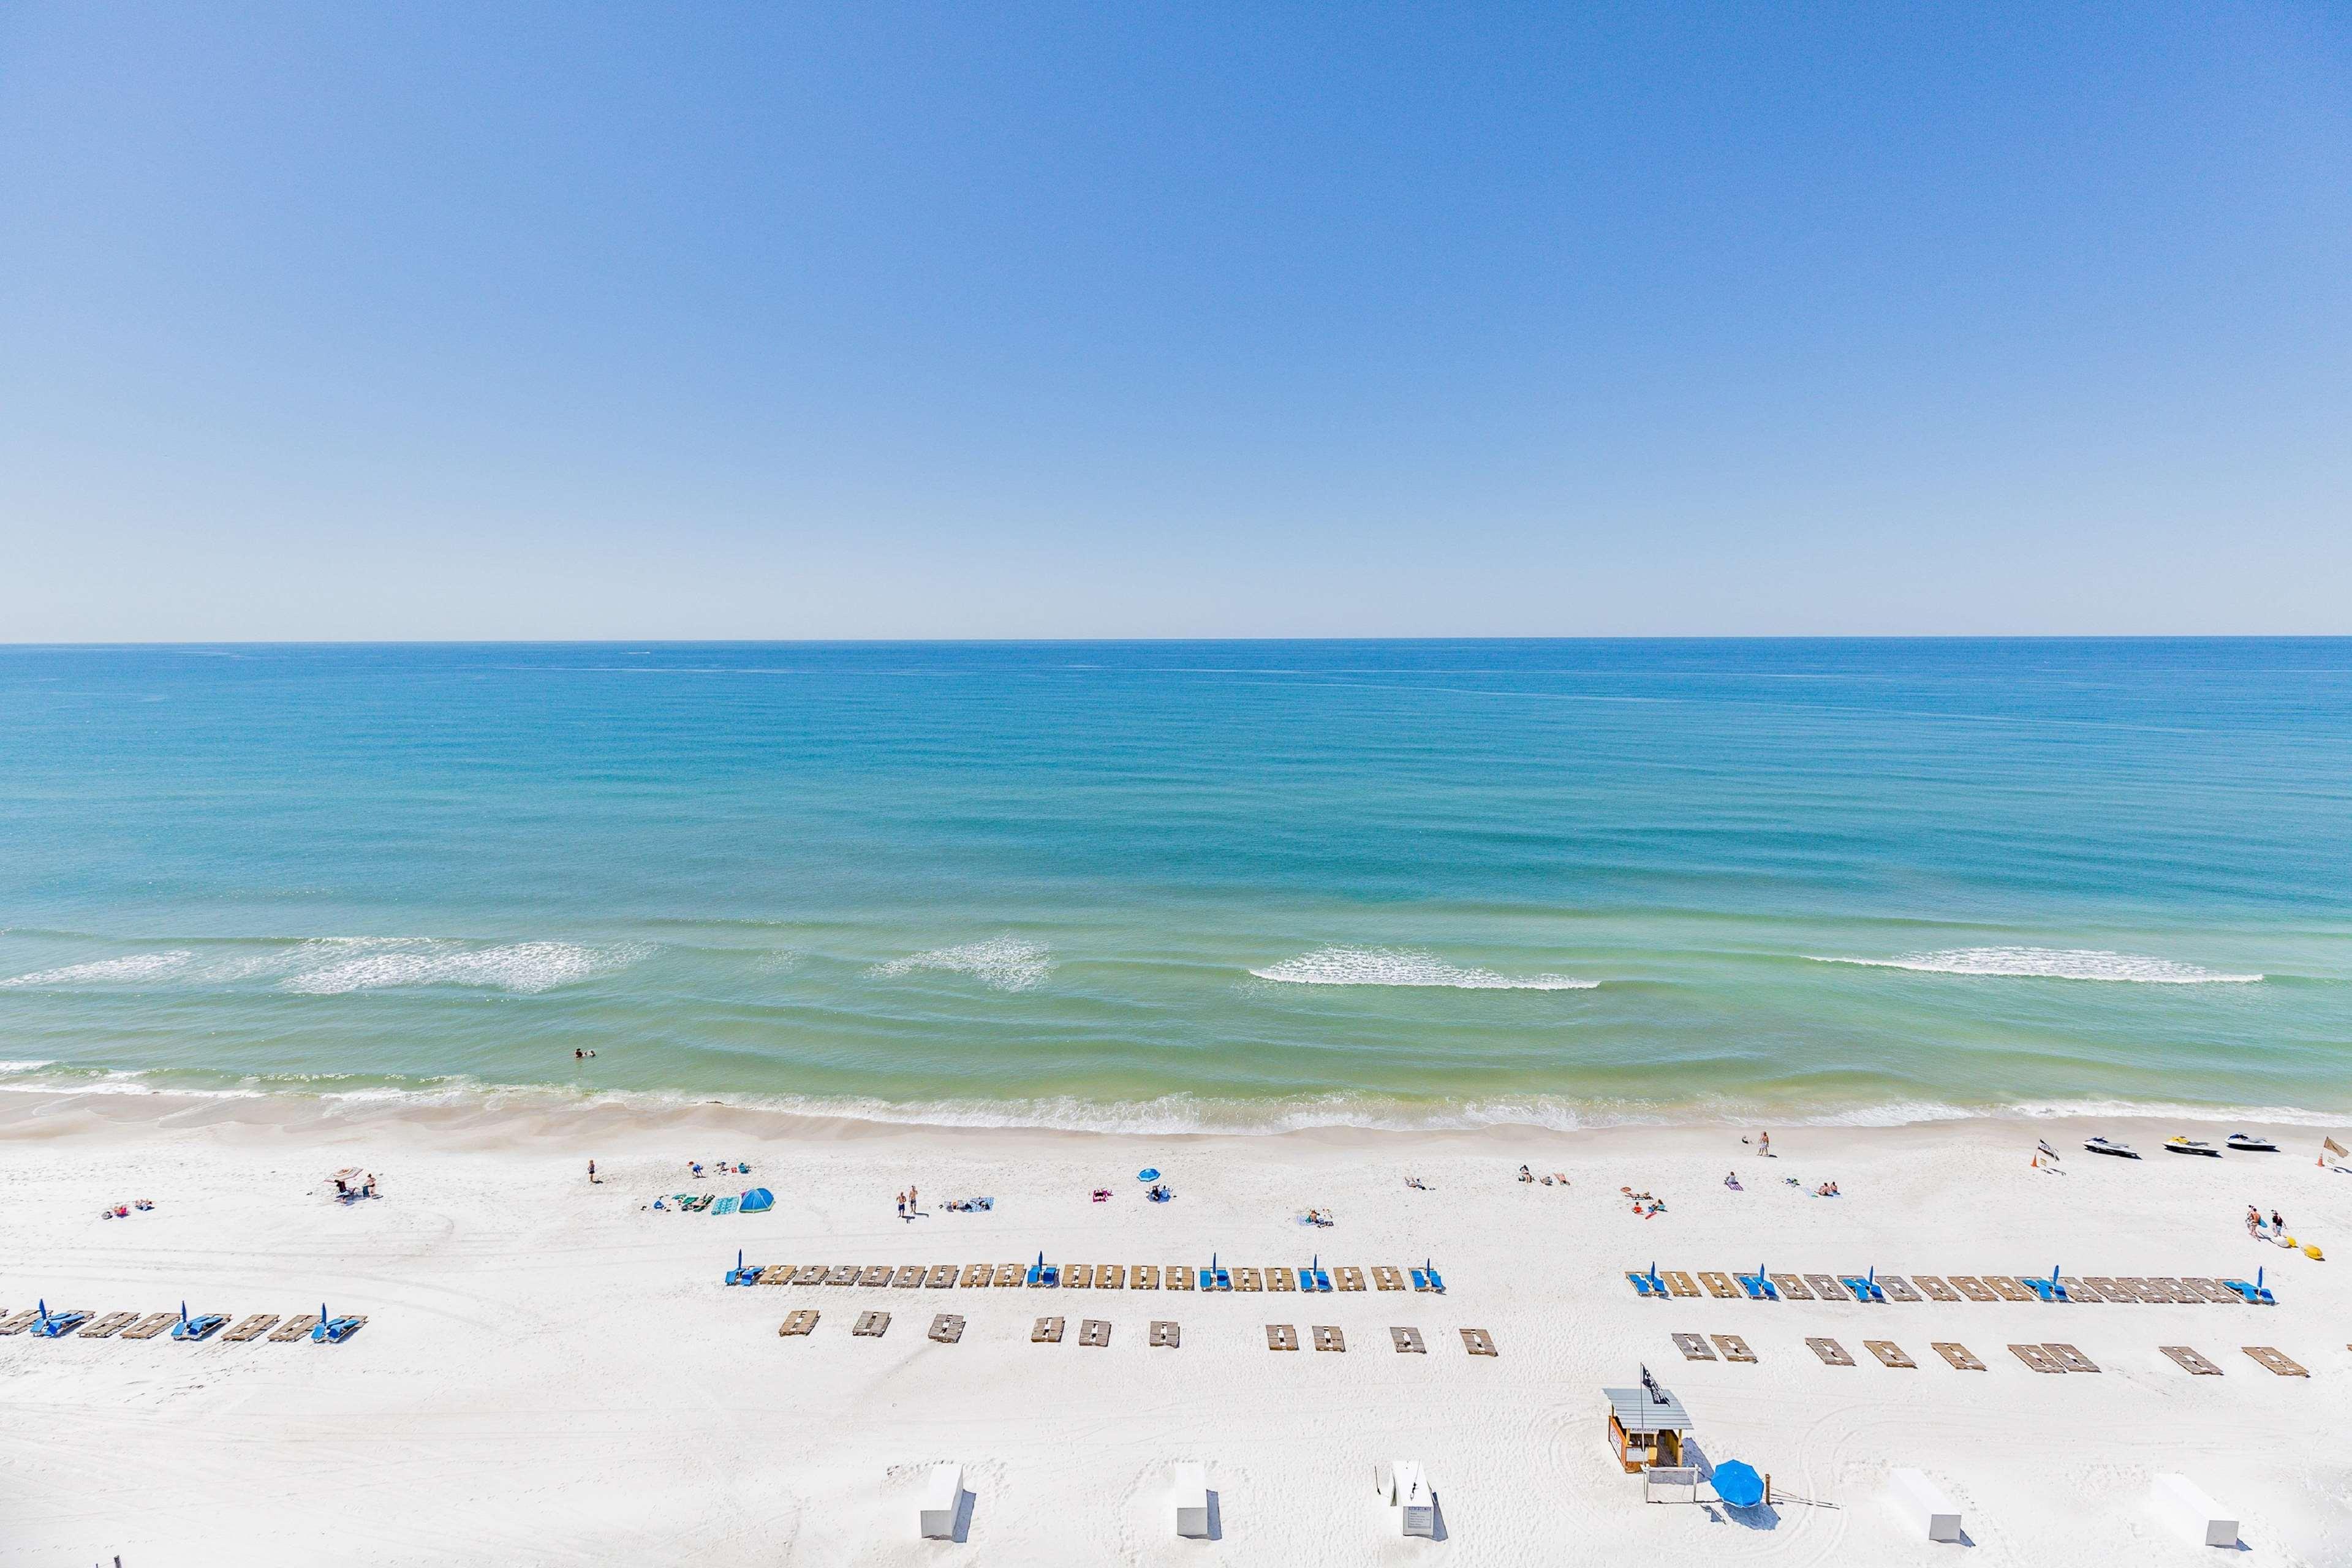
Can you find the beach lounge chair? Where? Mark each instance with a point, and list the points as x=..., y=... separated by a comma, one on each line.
x=114, y=1323
x=251, y=1329
x=1110, y=1276
x=1077, y=1276
x=1280, y=1278
x=1718, y=1284
x=2253, y=1295
x=1046, y=1331
x=287, y=1333
x=1477, y=1342
x=1935, y=1289
x=1009, y=1275
x=1315, y=1277
x=1329, y=1337
x=1962, y=1358
x=2107, y=1290
x=947, y=1327
x=1680, y=1283
x=18, y=1322
x=1248, y=1279
x=939, y=1277
x=1973, y=1288
x=1095, y=1332
x=1166, y=1335
x=810, y=1274
x=1179, y=1276
x=2181, y=1291
x=2189, y=1361
x=870, y=1325
x=1862, y=1287
x=798, y=1324
x=1216, y=1276
x=877, y=1277
x=1694, y=1347
x=1832, y=1353
x=1645, y=1286
x=1042, y=1275
x=1825, y=1287
x=1147, y=1276
x=1427, y=1278
x=1898, y=1288
x=1281, y=1336
x=2214, y=1290
x=57, y=1325
x=1407, y=1341
x=910, y=1276
x=841, y=1274
x=199, y=1328
x=1734, y=1348
x=779, y=1273
x=2044, y=1290
x=978, y=1276
x=1349, y=1277
x=336, y=1330
x=2007, y=1288
x=2070, y=1358
x=1889, y=1353
x=2274, y=1361
x=1792, y=1288
x=1387, y=1279
x=1757, y=1287
x=2034, y=1356
x=2077, y=1291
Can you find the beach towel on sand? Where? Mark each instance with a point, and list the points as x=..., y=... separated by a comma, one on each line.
x=725, y=1206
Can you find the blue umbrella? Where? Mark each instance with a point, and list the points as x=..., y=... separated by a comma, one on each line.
x=1148, y=1173
x=1738, y=1484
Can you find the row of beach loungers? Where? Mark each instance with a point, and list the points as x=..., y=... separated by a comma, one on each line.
x=1085, y=1276
x=186, y=1328
x=947, y=1328
x=1879, y=1287
x=2047, y=1358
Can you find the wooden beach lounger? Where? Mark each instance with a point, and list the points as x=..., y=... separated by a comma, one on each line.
x=1889, y=1353
x=1348, y=1279
x=2212, y=1291
x=1248, y=1279
x=2274, y=1361
x=2178, y=1292
x=253, y=1328
x=1110, y=1276
x=1694, y=1347
x=1477, y=1342
x=876, y=1276
x=779, y=1273
x=810, y=1274
x=114, y=1323
x=1826, y=1288
x=1962, y=1358
x=2078, y=1291
x=939, y=1277
x=1095, y=1332
x=1734, y=1348
x=1009, y=1275
x=1329, y=1337
x=1280, y=1280
x=1147, y=1276
x=2007, y=1288
x=1386, y=1278
x=1166, y=1335
x=1046, y=1331
x=1407, y=1341
x=797, y=1324
x=947, y=1328
x=1792, y=1288
x=2107, y=1290
x=1897, y=1288
x=977, y=1276
x=1937, y=1290
x=2189, y=1361
x=841, y=1274
x=1680, y=1283
x=1281, y=1336
x=871, y=1325
x=1971, y=1287
x=1077, y=1276
x=2137, y=1289
x=1832, y=1353
x=2034, y=1356
x=2070, y=1358
x=908, y=1277
x=18, y=1322
x=1177, y=1276
x=287, y=1333
x=1719, y=1285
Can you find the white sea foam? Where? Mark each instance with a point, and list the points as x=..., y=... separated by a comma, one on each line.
x=128, y=970
x=2052, y=964
x=522, y=966
x=1005, y=963
x=24, y=1066
x=1406, y=966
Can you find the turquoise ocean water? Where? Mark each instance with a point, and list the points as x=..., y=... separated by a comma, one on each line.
x=1179, y=884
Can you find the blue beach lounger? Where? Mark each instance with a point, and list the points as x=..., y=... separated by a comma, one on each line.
x=196, y=1328
x=335, y=1330
x=2253, y=1295
x=1640, y=1281
x=2048, y=1290
x=1425, y=1277
x=742, y=1274
x=1044, y=1275
x=1757, y=1287
x=57, y=1325
x=1862, y=1286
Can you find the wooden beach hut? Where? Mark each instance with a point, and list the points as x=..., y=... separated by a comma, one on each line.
x=1645, y=1425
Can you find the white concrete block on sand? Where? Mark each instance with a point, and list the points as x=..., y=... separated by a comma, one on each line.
x=1924, y=1505
x=2185, y=1510
x=552, y=1374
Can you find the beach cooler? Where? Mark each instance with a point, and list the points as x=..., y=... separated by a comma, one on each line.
x=1193, y=1501
x=942, y=1501
x=1923, y=1503
x=2188, y=1513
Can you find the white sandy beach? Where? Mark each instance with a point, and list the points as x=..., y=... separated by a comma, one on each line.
x=551, y=1374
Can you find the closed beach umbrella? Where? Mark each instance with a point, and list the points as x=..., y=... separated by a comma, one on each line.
x=1738, y=1484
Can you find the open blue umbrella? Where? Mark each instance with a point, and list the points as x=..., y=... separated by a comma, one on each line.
x=1148, y=1173
x=1738, y=1484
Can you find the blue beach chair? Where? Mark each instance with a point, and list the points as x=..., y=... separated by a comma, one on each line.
x=2048, y=1290
x=1425, y=1277
x=1649, y=1284
x=1864, y=1287
x=743, y=1274
x=57, y=1325
x=335, y=1331
x=2253, y=1295
x=1757, y=1287
x=194, y=1329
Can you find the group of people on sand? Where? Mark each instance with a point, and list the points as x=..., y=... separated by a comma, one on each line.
x=907, y=1201
x=346, y=1191
x=122, y=1211
x=1557, y=1178
x=724, y=1168
x=2272, y=1230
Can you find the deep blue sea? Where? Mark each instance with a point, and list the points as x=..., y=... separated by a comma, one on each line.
x=1178, y=885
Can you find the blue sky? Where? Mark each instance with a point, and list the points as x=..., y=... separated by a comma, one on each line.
x=765, y=321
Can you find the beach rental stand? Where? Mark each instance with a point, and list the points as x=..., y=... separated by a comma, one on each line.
x=2188, y=1513
x=1923, y=1503
x=1404, y=1486
x=942, y=1501
x=1645, y=1425
x=1193, y=1499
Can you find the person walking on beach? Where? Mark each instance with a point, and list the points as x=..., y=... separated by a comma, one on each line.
x=914, y=1203
x=1764, y=1144
x=902, y=1205
x=592, y=1177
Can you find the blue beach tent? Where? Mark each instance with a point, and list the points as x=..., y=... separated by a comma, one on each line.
x=759, y=1200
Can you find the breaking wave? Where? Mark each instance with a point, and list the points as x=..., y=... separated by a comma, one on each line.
x=1406, y=966
x=128, y=970
x=1002, y=962
x=2052, y=964
x=331, y=966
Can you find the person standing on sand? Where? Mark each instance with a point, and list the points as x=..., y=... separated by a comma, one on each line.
x=902, y=1205
x=592, y=1172
x=1764, y=1144
x=914, y=1203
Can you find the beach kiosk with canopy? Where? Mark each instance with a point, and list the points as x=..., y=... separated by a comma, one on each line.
x=1645, y=1425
